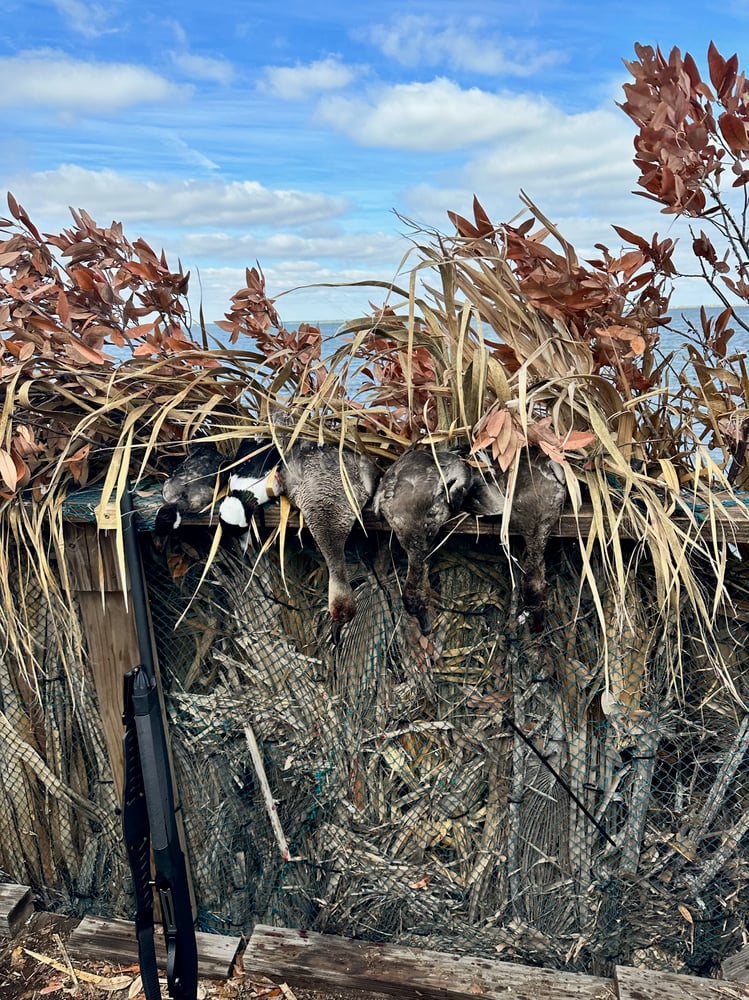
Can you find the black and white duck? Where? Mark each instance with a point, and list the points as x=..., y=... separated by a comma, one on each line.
x=254, y=479
x=329, y=487
x=188, y=490
x=418, y=494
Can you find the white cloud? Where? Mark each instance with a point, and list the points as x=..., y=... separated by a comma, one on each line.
x=433, y=116
x=185, y=152
x=577, y=159
x=56, y=81
x=292, y=83
x=292, y=246
x=573, y=165
x=291, y=284
x=203, y=67
x=105, y=195
x=461, y=44
x=88, y=19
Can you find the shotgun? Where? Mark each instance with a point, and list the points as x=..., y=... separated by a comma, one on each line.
x=149, y=820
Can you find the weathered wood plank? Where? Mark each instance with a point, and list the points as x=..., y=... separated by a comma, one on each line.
x=318, y=961
x=736, y=966
x=115, y=941
x=16, y=906
x=108, y=626
x=642, y=984
x=735, y=520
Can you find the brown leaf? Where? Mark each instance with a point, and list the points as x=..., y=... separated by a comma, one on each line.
x=63, y=307
x=13, y=206
x=463, y=226
x=722, y=71
x=422, y=883
x=23, y=472
x=178, y=564
x=573, y=440
x=483, y=222
x=53, y=986
x=630, y=237
x=735, y=133
x=8, y=471
x=81, y=352
x=685, y=913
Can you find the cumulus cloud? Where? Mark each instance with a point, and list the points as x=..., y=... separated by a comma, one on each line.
x=461, y=44
x=107, y=194
x=580, y=158
x=587, y=151
x=433, y=116
x=577, y=168
x=292, y=83
x=56, y=81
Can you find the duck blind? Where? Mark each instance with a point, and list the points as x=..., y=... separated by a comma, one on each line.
x=571, y=799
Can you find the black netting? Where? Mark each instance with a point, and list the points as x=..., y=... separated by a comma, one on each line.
x=476, y=791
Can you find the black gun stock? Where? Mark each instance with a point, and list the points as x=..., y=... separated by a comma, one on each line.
x=138, y=843
x=148, y=816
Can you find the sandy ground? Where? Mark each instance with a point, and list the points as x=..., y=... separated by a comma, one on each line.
x=35, y=964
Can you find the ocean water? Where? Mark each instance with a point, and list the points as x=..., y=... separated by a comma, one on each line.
x=672, y=338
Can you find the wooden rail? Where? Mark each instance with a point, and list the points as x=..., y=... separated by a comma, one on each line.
x=322, y=961
x=305, y=959
x=733, y=518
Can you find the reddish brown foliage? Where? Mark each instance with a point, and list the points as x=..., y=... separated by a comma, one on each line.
x=690, y=132
x=615, y=302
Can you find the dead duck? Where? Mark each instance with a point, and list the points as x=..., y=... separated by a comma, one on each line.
x=417, y=495
x=537, y=504
x=188, y=490
x=311, y=477
x=538, y=500
x=253, y=480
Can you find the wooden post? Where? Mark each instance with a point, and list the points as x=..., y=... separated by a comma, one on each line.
x=108, y=627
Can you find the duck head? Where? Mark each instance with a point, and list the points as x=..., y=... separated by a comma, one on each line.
x=253, y=480
x=189, y=489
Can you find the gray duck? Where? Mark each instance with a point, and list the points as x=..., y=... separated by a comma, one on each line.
x=417, y=495
x=311, y=477
x=537, y=504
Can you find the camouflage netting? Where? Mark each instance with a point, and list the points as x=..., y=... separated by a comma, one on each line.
x=430, y=792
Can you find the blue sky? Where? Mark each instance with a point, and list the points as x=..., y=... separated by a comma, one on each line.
x=291, y=134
